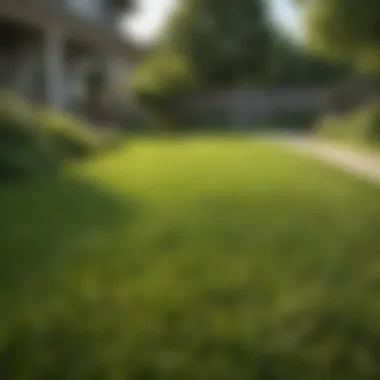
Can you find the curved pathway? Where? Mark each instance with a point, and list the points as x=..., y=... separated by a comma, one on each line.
x=362, y=164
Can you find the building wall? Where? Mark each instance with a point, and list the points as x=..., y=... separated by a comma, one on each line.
x=244, y=107
x=91, y=9
x=24, y=58
x=239, y=108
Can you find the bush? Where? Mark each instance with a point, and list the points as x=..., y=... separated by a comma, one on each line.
x=331, y=126
x=67, y=136
x=159, y=82
x=33, y=140
x=365, y=124
x=359, y=127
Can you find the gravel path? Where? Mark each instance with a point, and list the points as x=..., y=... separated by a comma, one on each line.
x=365, y=165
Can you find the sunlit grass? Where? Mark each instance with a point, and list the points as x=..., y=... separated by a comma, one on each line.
x=191, y=259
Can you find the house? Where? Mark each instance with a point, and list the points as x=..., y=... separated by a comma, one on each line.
x=47, y=48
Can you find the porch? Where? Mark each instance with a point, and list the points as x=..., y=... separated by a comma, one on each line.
x=45, y=65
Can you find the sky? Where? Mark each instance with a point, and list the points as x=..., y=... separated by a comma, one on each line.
x=151, y=15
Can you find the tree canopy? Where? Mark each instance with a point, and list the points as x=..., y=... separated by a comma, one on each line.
x=209, y=44
x=292, y=65
x=346, y=29
x=227, y=42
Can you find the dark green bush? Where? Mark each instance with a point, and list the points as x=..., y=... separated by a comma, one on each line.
x=158, y=84
x=67, y=136
x=34, y=140
x=365, y=124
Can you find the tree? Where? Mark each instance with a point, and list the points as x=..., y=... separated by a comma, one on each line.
x=292, y=64
x=159, y=81
x=206, y=44
x=345, y=29
x=226, y=42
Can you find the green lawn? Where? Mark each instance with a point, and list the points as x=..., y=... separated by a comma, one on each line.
x=191, y=259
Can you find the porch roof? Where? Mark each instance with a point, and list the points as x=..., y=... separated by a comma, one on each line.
x=50, y=14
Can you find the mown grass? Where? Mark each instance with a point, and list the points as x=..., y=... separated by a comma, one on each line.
x=191, y=259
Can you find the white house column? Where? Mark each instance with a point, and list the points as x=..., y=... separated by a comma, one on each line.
x=55, y=68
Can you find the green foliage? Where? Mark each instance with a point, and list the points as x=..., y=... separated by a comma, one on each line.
x=360, y=127
x=227, y=43
x=332, y=127
x=346, y=29
x=295, y=66
x=197, y=260
x=367, y=121
x=233, y=44
x=34, y=140
x=158, y=83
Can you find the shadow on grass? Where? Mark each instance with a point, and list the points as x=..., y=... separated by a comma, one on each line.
x=45, y=224
x=56, y=241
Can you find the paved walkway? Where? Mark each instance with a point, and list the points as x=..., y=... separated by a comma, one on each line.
x=362, y=164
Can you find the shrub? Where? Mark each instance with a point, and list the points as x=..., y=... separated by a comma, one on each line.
x=34, y=140
x=159, y=82
x=330, y=126
x=365, y=124
x=67, y=136
x=360, y=127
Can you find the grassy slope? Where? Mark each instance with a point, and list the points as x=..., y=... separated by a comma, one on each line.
x=192, y=260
